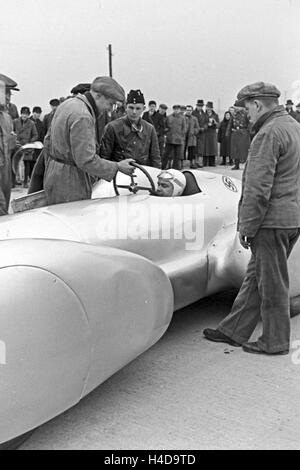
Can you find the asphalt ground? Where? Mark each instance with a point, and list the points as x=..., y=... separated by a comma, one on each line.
x=188, y=393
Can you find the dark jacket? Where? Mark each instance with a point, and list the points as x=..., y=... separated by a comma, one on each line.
x=121, y=141
x=224, y=137
x=158, y=120
x=271, y=180
x=211, y=138
x=47, y=121
x=13, y=111
x=72, y=145
x=26, y=131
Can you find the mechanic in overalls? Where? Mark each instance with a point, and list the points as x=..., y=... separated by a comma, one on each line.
x=268, y=224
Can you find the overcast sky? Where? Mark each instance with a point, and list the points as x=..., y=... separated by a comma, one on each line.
x=175, y=51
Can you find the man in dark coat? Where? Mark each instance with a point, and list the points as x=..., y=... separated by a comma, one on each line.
x=150, y=114
x=72, y=160
x=268, y=224
x=200, y=114
x=289, y=108
x=211, y=138
x=130, y=136
x=36, y=119
x=48, y=117
x=26, y=134
x=240, y=137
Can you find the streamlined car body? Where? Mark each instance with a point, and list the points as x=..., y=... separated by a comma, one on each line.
x=88, y=286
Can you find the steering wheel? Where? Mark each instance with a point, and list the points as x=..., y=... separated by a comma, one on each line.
x=133, y=187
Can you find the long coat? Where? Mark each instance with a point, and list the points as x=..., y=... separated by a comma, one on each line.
x=192, y=130
x=176, y=129
x=240, y=136
x=120, y=141
x=224, y=137
x=72, y=159
x=6, y=145
x=211, y=140
x=202, y=121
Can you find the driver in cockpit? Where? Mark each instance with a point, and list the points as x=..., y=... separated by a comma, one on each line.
x=170, y=183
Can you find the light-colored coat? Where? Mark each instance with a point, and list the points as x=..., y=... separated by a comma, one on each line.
x=71, y=143
x=176, y=129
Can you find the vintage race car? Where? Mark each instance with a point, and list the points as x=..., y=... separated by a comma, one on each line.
x=88, y=286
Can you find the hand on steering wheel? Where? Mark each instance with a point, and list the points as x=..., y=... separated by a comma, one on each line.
x=133, y=187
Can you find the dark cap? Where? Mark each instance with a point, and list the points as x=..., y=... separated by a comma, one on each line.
x=163, y=106
x=289, y=103
x=135, y=97
x=54, y=102
x=200, y=103
x=210, y=105
x=298, y=105
x=25, y=110
x=9, y=83
x=37, y=109
x=152, y=102
x=176, y=106
x=257, y=90
x=81, y=88
x=108, y=87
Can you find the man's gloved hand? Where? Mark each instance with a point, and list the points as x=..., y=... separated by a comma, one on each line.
x=125, y=166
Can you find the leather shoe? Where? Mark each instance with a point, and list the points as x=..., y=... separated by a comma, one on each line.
x=253, y=348
x=218, y=337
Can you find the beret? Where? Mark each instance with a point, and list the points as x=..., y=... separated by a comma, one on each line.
x=81, y=88
x=108, y=87
x=9, y=83
x=257, y=90
x=135, y=97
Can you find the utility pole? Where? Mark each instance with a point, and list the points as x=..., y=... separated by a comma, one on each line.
x=110, y=60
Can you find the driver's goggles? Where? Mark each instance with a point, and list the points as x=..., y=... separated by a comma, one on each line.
x=166, y=175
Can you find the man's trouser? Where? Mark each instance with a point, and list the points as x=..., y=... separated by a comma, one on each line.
x=5, y=187
x=173, y=153
x=264, y=293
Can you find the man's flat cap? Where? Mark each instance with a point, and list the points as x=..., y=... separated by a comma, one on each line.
x=81, y=88
x=108, y=87
x=9, y=83
x=163, y=106
x=257, y=90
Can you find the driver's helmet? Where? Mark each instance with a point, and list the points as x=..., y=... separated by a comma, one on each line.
x=177, y=179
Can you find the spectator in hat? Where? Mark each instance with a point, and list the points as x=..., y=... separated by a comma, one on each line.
x=26, y=132
x=7, y=142
x=268, y=224
x=297, y=114
x=130, y=136
x=160, y=127
x=175, y=140
x=81, y=88
x=224, y=137
x=10, y=85
x=150, y=114
x=200, y=114
x=211, y=138
x=48, y=117
x=182, y=110
x=192, y=129
x=71, y=153
x=289, y=108
x=36, y=119
x=240, y=137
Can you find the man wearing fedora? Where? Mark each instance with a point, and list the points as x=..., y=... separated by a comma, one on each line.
x=289, y=108
x=268, y=224
x=200, y=114
x=211, y=137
